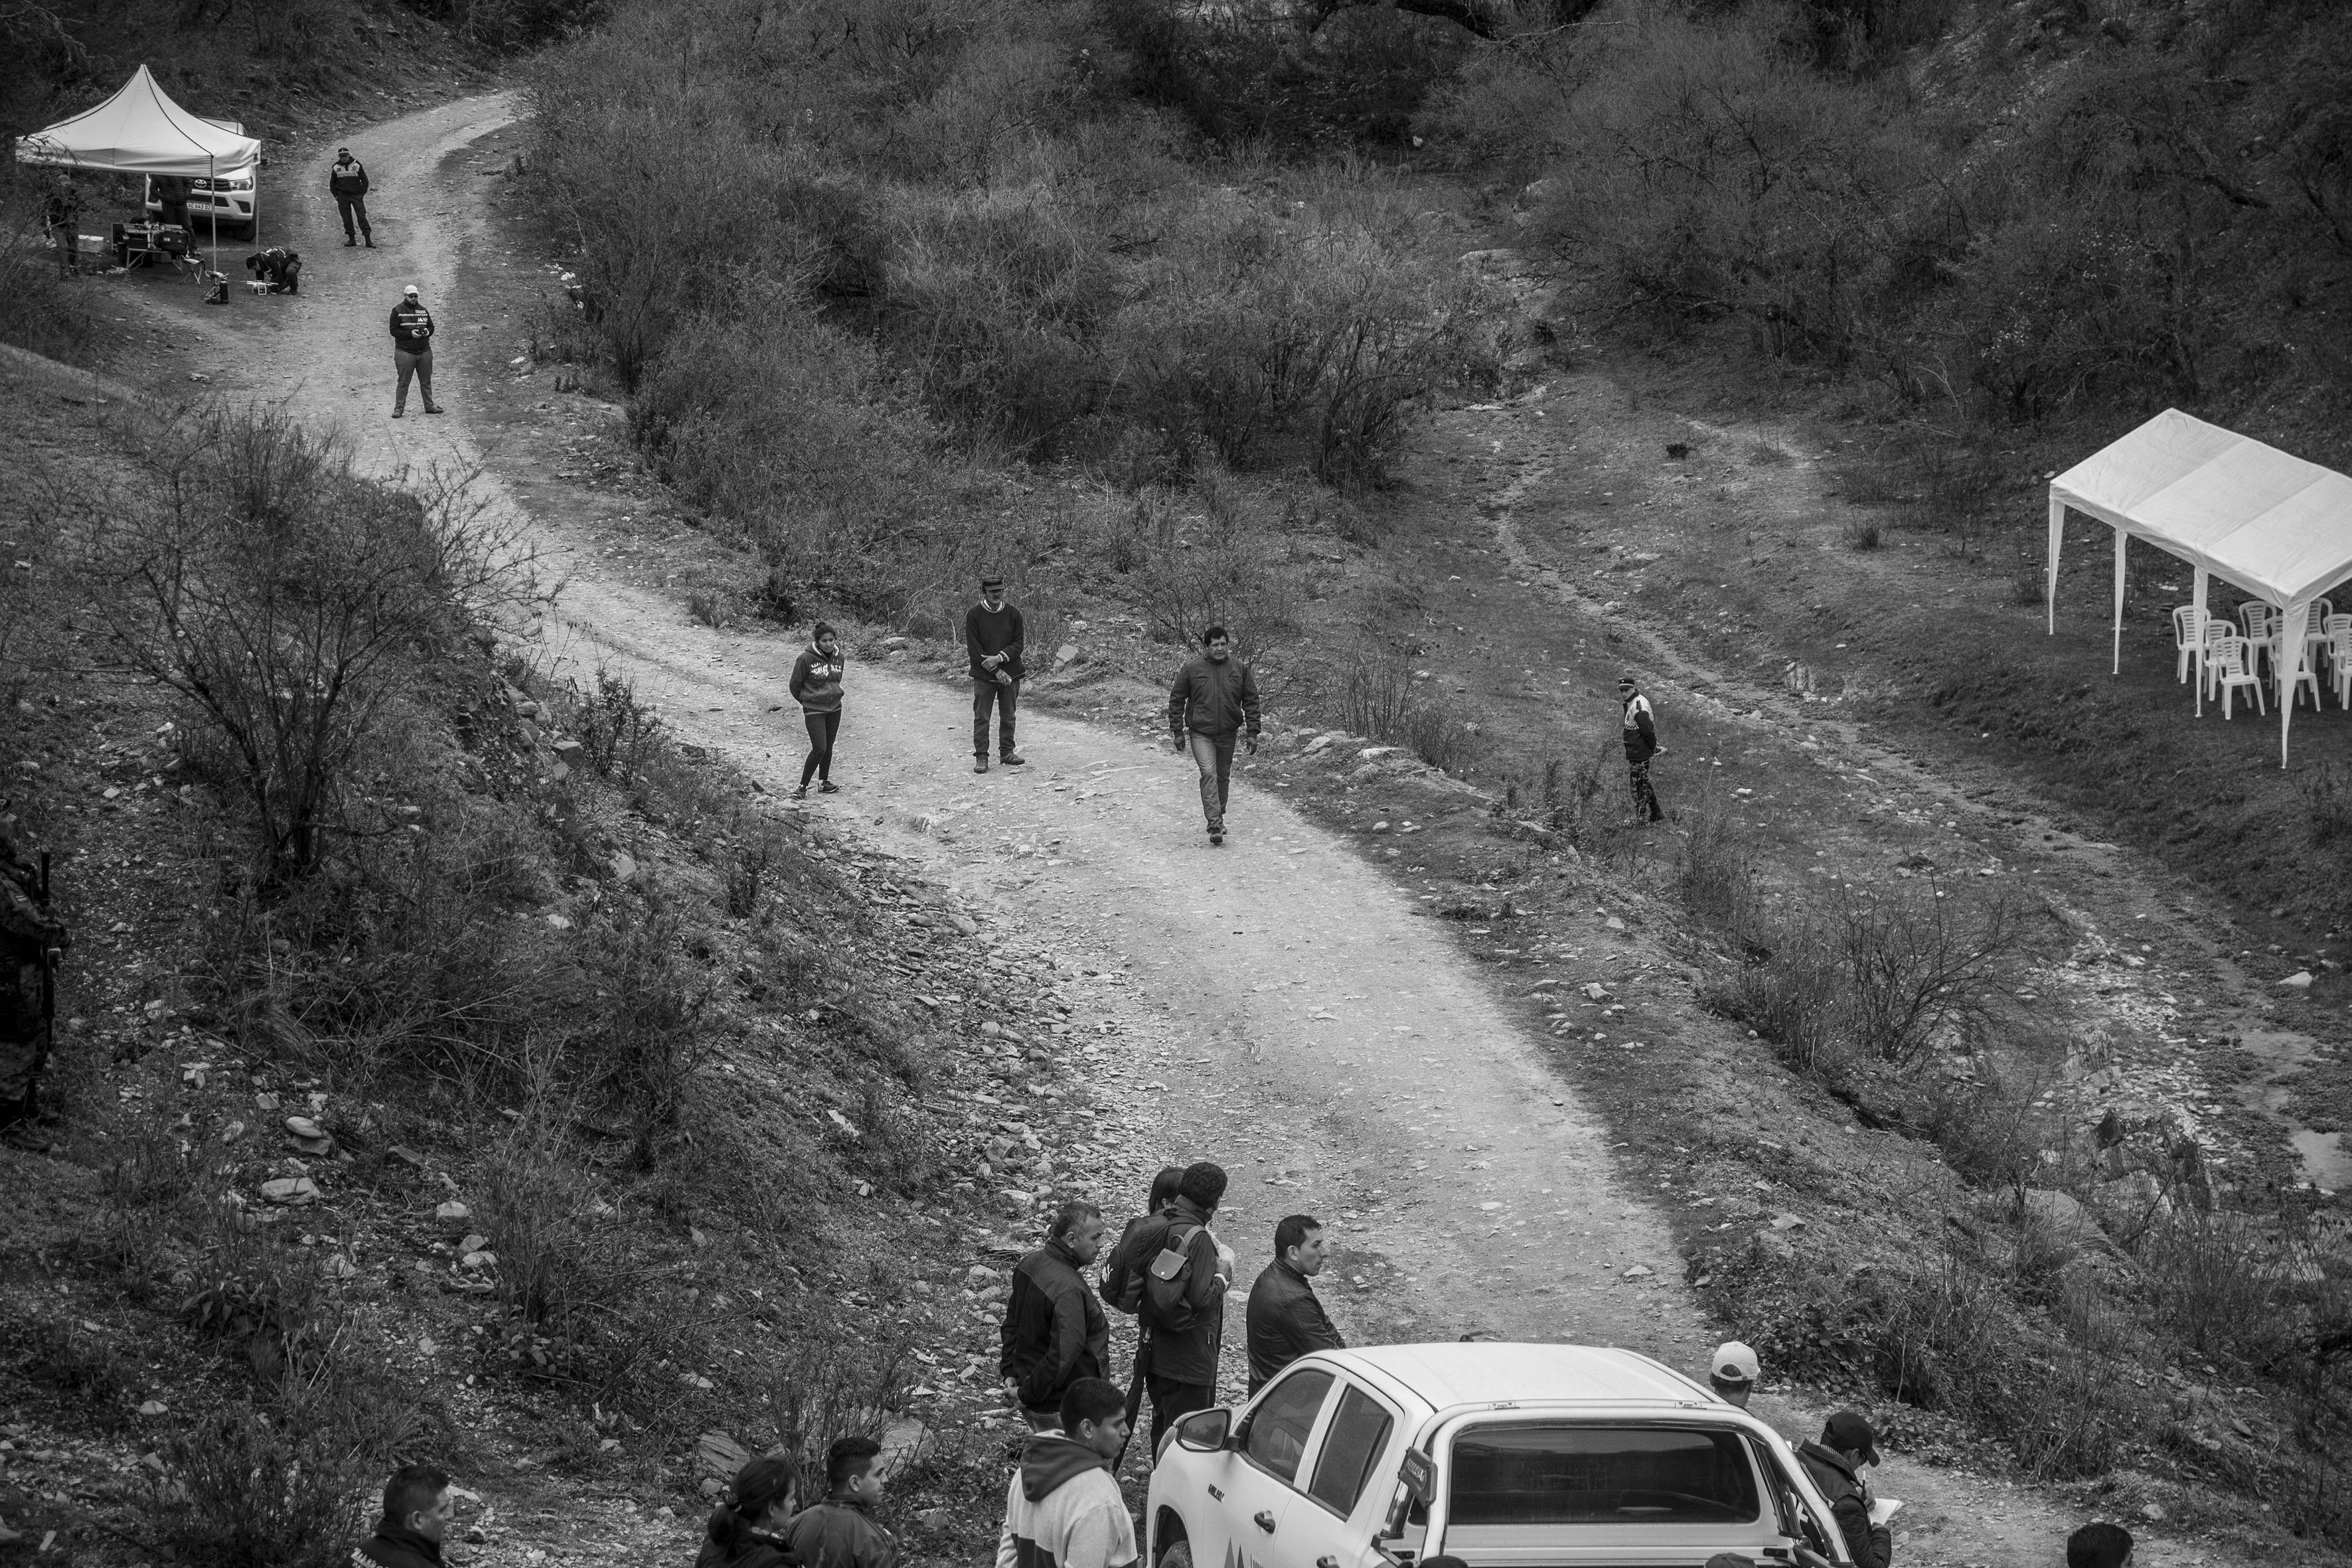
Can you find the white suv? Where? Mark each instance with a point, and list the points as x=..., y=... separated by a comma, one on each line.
x=1509, y=1456
x=230, y=203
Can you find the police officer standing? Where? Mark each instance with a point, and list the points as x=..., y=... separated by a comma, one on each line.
x=347, y=181
x=31, y=939
x=412, y=351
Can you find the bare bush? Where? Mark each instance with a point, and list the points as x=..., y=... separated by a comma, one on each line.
x=248, y=1485
x=255, y=572
x=1917, y=962
x=1714, y=872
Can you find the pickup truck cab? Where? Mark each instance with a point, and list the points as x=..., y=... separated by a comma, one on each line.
x=1507, y=1456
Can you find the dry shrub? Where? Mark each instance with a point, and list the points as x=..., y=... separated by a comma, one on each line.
x=249, y=1487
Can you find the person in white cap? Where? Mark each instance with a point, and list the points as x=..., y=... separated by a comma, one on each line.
x=1733, y=1372
x=412, y=351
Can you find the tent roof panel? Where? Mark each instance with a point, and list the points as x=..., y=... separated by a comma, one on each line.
x=139, y=131
x=2150, y=459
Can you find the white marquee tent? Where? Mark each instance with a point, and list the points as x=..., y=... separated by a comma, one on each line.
x=139, y=131
x=2228, y=505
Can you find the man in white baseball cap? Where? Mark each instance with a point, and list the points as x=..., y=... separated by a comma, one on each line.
x=1733, y=1372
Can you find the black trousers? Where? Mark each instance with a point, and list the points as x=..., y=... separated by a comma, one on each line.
x=1004, y=699
x=1172, y=1401
x=350, y=208
x=821, y=728
x=1645, y=798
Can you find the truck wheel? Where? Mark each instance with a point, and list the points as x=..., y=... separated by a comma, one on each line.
x=1179, y=1556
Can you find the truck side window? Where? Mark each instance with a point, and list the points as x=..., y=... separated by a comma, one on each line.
x=1351, y=1446
x=1280, y=1424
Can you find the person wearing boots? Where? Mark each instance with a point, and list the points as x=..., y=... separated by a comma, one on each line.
x=412, y=351
x=347, y=181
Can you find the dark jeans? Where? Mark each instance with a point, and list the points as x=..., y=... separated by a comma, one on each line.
x=1172, y=1401
x=1645, y=799
x=352, y=208
x=1004, y=699
x=1214, y=755
x=821, y=728
x=419, y=365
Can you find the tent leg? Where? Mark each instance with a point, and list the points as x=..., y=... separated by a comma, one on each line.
x=2197, y=661
x=2057, y=541
x=2122, y=540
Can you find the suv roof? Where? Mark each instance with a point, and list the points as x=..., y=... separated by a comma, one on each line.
x=1448, y=1375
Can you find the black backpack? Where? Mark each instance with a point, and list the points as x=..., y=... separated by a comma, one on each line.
x=1171, y=1309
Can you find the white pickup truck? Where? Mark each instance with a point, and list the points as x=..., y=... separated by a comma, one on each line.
x=1505, y=1456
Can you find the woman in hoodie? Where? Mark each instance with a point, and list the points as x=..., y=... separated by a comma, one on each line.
x=746, y=1530
x=816, y=687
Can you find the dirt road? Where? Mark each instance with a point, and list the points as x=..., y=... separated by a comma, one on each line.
x=1291, y=1016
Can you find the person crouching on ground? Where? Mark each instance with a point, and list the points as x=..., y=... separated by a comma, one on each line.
x=816, y=687
x=1063, y=1508
x=417, y=1508
x=746, y=1530
x=1210, y=701
x=840, y=1531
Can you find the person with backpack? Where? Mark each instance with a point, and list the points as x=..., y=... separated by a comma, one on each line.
x=1184, y=1301
x=1122, y=1277
x=1055, y=1331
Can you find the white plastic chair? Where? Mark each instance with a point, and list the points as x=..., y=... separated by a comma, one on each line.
x=2227, y=664
x=2184, y=639
x=2339, y=658
x=2303, y=677
x=2261, y=621
x=2220, y=632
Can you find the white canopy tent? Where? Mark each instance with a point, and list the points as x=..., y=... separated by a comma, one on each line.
x=2228, y=505
x=139, y=131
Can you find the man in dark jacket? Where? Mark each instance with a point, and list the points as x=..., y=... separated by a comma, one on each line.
x=1210, y=701
x=840, y=1531
x=417, y=1508
x=1835, y=1461
x=347, y=181
x=32, y=940
x=993, y=633
x=1184, y=1301
x=2099, y=1546
x=412, y=351
x=1055, y=1331
x=1285, y=1318
x=1641, y=744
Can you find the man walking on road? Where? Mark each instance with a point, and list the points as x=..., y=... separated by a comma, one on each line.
x=1055, y=1331
x=1835, y=1461
x=1285, y=1317
x=348, y=183
x=992, y=633
x=1641, y=744
x=1210, y=701
x=412, y=351
x=1184, y=1301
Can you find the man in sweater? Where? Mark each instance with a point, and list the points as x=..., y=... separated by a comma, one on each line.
x=1184, y=1301
x=1062, y=1509
x=412, y=351
x=1055, y=1331
x=992, y=633
x=1641, y=744
x=417, y=1509
x=1208, y=703
x=1285, y=1317
x=347, y=181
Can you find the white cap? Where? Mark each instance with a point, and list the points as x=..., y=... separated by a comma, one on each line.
x=410, y=290
x=1735, y=1363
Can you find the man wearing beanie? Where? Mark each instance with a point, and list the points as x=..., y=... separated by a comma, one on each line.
x=1062, y=1509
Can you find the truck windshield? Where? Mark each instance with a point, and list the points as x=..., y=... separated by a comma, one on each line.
x=1592, y=1474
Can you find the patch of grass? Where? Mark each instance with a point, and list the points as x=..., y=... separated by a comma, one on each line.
x=1861, y=533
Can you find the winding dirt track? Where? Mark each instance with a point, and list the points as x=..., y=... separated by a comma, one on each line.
x=1333, y=1051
